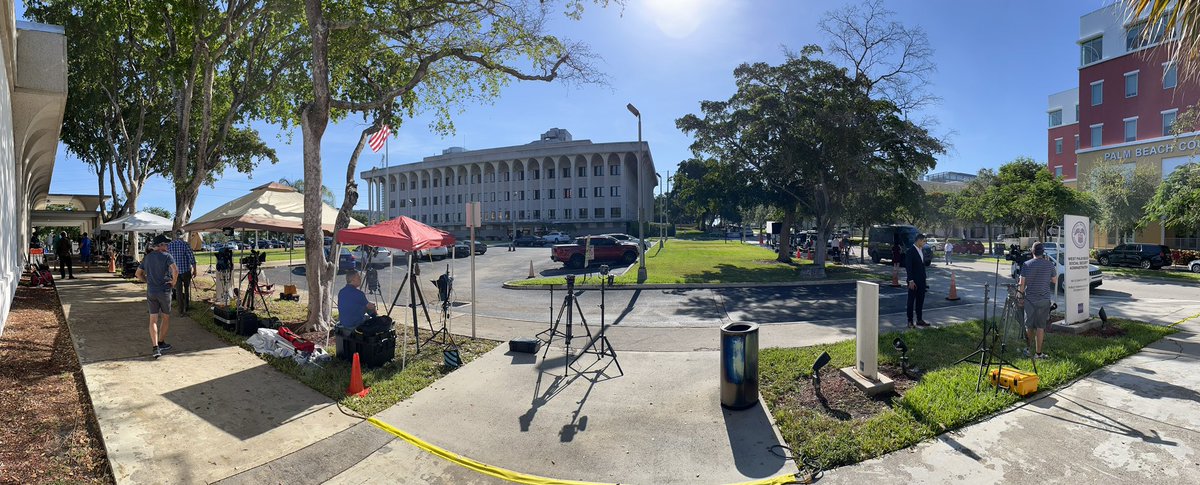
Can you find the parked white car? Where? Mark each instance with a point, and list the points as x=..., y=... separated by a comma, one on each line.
x=1194, y=266
x=937, y=244
x=437, y=254
x=557, y=238
x=381, y=256
x=1095, y=275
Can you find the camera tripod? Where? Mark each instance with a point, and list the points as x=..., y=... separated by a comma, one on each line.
x=253, y=286
x=597, y=344
x=414, y=296
x=996, y=333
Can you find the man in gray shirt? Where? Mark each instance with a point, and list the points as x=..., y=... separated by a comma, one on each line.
x=159, y=272
x=1038, y=277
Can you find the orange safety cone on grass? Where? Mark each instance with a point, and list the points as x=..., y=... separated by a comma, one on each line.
x=531, y=275
x=953, y=289
x=356, y=383
x=895, y=276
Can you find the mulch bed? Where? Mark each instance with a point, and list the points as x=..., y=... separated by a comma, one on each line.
x=839, y=398
x=48, y=430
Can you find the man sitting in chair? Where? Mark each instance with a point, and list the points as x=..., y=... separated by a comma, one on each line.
x=353, y=307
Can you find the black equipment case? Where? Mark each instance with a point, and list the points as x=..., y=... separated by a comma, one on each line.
x=374, y=341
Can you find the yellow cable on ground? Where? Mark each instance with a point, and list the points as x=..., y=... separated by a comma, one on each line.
x=1184, y=320
x=518, y=477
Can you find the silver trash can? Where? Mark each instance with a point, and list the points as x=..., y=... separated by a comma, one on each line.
x=739, y=365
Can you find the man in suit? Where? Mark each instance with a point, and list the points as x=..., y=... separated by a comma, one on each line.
x=914, y=268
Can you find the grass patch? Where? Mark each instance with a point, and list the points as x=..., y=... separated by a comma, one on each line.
x=273, y=255
x=943, y=399
x=1152, y=273
x=389, y=384
x=699, y=261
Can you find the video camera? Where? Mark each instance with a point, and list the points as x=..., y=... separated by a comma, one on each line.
x=254, y=260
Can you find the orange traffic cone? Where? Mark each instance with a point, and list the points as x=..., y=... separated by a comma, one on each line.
x=895, y=276
x=531, y=275
x=799, y=253
x=953, y=289
x=356, y=383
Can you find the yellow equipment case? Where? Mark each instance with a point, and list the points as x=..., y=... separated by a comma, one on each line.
x=1020, y=383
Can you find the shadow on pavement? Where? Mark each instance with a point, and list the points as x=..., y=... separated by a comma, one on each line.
x=232, y=403
x=750, y=435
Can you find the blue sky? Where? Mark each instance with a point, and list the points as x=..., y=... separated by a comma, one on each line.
x=997, y=62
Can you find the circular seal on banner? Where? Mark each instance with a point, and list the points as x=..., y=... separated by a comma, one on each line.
x=1079, y=234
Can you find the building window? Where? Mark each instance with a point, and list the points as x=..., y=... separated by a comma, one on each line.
x=403, y=203
x=614, y=212
x=1131, y=84
x=614, y=169
x=1076, y=112
x=506, y=177
x=1136, y=36
x=537, y=214
x=537, y=174
x=508, y=196
x=1058, y=171
x=1058, y=146
x=550, y=194
x=1097, y=93
x=549, y=173
x=521, y=215
x=1130, y=129
x=393, y=204
x=598, y=213
x=435, y=218
x=566, y=173
x=1092, y=50
x=493, y=197
x=521, y=175
x=393, y=186
x=521, y=195
x=614, y=191
x=424, y=201
x=1097, y=132
x=567, y=193
x=460, y=198
x=566, y=213
x=598, y=170
x=581, y=192
x=461, y=178
x=1055, y=118
x=550, y=213
x=425, y=183
x=537, y=194
x=508, y=215
x=1170, y=75
x=1168, y=121
x=1076, y=142
x=598, y=191
x=412, y=185
x=582, y=172
x=582, y=213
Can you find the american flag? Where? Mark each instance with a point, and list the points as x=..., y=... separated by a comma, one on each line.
x=376, y=141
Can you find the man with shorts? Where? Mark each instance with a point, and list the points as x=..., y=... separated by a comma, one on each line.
x=159, y=272
x=1038, y=277
x=185, y=260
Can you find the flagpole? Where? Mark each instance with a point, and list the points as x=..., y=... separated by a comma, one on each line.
x=386, y=164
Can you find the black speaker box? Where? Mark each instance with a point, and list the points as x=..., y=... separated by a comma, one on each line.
x=524, y=345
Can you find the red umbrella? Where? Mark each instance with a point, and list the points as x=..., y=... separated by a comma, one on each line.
x=403, y=233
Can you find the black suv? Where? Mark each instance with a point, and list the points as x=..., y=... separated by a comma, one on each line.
x=1145, y=256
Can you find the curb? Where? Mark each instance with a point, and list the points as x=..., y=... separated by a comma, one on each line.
x=681, y=286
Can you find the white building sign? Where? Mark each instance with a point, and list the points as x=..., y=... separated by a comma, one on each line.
x=1077, y=253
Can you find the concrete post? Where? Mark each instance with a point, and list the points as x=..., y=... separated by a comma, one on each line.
x=868, y=330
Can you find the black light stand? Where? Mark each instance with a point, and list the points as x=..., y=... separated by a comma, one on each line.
x=414, y=294
x=992, y=334
x=252, y=263
x=569, y=307
x=599, y=345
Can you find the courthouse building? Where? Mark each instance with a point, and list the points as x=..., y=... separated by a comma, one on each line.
x=1122, y=111
x=554, y=183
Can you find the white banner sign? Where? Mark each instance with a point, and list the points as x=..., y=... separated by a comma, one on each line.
x=1077, y=252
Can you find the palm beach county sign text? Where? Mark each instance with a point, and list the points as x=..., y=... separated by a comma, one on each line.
x=1149, y=150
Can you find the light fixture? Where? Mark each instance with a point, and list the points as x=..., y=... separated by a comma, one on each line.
x=821, y=361
x=1103, y=317
x=901, y=347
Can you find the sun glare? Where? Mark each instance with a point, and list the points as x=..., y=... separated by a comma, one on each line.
x=679, y=18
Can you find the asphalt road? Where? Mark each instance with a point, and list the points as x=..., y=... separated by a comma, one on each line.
x=709, y=307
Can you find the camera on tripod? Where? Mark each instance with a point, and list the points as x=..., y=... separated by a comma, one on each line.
x=225, y=260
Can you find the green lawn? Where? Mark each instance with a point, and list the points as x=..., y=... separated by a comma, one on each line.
x=206, y=258
x=717, y=261
x=389, y=384
x=942, y=400
x=1151, y=273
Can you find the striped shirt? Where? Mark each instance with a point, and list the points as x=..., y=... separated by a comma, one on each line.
x=1038, y=273
x=185, y=260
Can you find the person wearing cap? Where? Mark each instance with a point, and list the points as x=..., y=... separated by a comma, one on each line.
x=185, y=259
x=914, y=268
x=1038, y=277
x=160, y=273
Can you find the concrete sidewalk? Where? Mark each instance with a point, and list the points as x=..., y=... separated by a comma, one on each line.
x=1136, y=421
x=202, y=412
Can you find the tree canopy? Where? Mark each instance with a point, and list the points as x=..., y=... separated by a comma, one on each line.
x=1176, y=202
x=1121, y=193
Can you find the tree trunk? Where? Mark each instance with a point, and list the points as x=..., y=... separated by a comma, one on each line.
x=819, y=245
x=785, y=235
x=314, y=119
x=185, y=200
x=100, y=166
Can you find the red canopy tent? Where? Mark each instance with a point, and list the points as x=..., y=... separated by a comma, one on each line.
x=403, y=233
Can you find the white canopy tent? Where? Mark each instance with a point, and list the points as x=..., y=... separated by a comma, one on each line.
x=138, y=222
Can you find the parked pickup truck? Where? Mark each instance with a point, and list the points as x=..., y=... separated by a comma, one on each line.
x=603, y=249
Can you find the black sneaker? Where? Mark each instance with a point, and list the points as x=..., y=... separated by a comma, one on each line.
x=922, y=324
x=163, y=346
x=910, y=325
x=157, y=352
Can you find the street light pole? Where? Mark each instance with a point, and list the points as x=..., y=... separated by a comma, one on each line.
x=658, y=210
x=641, y=230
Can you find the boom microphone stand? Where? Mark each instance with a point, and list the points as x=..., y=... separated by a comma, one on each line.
x=569, y=308
x=599, y=345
